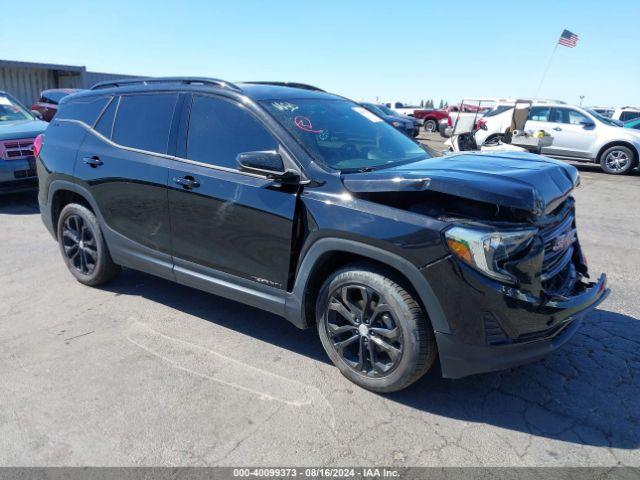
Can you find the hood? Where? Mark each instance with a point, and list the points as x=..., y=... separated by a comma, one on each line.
x=19, y=129
x=511, y=179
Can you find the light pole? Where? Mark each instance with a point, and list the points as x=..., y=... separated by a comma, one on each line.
x=581, y=98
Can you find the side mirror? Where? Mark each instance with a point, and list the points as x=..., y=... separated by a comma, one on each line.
x=587, y=123
x=269, y=164
x=37, y=114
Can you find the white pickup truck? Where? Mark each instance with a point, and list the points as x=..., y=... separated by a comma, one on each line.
x=403, y=108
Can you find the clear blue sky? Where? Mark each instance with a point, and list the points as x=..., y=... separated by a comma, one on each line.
x=395, y=50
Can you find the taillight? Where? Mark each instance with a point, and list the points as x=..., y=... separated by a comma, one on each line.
x=480, y=123
x=449, y=124
x=37, y=144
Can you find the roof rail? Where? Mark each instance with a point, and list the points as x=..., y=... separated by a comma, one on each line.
x=304, y=86
x=147, y=80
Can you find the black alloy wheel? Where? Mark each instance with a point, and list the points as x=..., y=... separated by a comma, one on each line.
x=363, y=330
x=79, y=244
x=83, y=247
x=373, y=329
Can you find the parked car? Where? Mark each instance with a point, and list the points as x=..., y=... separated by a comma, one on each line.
x=625, y=114
x=297, y=202
x=18, y=129
x=407, y=125
x=431, y=117
x=635, y=124
x=48, y=102
x=604, y=111
x=401, y=108
x=576, y=134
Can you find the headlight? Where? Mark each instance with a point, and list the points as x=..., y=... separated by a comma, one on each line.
x=487, y=250
x=396, y=124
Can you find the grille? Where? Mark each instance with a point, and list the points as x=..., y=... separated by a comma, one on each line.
x=558, y=271
x=17, y=149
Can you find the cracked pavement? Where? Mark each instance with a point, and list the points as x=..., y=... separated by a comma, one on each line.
x=146, y=372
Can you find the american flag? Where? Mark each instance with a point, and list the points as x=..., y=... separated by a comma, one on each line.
x=568, y=39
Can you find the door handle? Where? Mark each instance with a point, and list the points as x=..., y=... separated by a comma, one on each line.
x=557, y=129
x=187, y=182
x=93, y=162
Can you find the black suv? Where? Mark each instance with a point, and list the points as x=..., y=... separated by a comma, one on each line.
x=305, y=204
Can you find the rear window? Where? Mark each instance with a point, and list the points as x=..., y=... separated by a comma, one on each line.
x=629, y=115
x=84, y=110
x=53, y=96
x=144, y=121
x=498, y=110
x=539, y=114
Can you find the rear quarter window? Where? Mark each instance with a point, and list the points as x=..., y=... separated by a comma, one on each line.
x=84, y=110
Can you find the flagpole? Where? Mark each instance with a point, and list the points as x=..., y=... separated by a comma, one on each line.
x=544, y=75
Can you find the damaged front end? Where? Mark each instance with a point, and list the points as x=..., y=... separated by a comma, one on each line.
x=516, y=283
x=540, y=260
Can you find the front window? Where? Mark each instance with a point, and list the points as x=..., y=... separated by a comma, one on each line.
x=10, y=110
x=343, y=135
x=568, y=116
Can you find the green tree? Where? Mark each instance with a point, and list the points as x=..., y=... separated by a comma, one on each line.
x=441, y=104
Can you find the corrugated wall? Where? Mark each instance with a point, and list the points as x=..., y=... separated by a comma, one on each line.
x=26, y=83
x=91, y=78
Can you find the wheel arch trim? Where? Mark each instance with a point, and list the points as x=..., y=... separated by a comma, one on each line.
x=295, y=308
x=58, y=185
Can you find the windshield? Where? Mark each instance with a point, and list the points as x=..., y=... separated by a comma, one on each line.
x=604, y=119
x=343, y=135
x=10, y=110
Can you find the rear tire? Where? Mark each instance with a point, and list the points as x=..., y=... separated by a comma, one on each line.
x=83, y=248
x=618, y=160
x=373, y=329
x=430, y=126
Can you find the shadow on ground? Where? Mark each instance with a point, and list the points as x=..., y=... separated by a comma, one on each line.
x=595, y=168
x=19, y=203
x=586, y=393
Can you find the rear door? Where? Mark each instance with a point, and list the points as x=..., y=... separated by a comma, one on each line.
x=124, y=164
x=227, y=221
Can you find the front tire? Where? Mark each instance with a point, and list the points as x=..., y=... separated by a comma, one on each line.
x=618, y=160
x=83, y=247
x=373, y=329
x=430, y=126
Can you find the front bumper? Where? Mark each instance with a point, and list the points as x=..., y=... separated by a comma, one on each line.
x=17, y=176
x=493, y=327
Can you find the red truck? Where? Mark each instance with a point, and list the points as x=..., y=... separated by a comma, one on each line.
x=430, y=117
